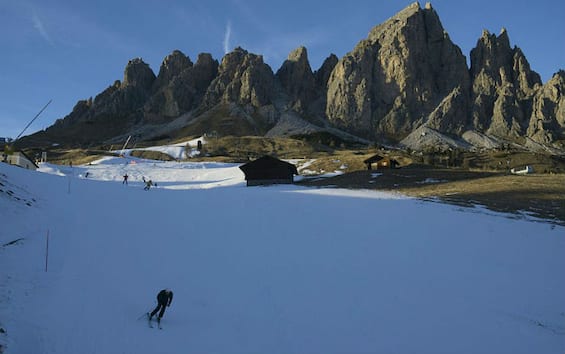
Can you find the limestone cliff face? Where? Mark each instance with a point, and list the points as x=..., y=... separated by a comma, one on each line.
x=112, y=112
x=392, y=81
x=303, y=91
x=503, y=87
x=297, y=79
x=405, y=76
x=547, y=122
x=173, y=65
x=138, y=74
x=322, y=75
x=180, y=86
x=120, y=101
x=243, y=78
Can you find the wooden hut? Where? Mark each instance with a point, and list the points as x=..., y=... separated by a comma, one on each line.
x=268, y=170
x=380, y=162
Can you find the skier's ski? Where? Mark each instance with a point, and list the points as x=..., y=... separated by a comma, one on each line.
x=149, y=321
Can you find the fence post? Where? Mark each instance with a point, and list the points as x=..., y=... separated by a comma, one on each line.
x=47, y=251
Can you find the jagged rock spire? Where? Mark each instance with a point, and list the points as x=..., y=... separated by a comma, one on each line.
x=137, y=73
x=242, y=78
x=173, y=65
x=503, y=86
x=297, y=79
x=547, y=122
x=405, y=76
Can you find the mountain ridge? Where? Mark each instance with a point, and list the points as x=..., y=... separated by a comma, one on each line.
x=405, y=75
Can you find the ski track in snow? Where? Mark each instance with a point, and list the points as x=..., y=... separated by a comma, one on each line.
x=280, y=269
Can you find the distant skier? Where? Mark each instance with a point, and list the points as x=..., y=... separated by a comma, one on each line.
x=125, y=179
x=164, y=299
x=148, y=185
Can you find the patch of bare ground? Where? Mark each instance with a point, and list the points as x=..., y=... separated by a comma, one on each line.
x=538, y=195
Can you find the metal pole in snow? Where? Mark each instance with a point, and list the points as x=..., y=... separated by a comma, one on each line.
x=69, y=175
x=124, y=147
x=47, y=251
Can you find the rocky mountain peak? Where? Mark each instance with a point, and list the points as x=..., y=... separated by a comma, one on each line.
x=138, y=74
x=242, y=78
x=232, y=60
x=525, y=79
x=206, y=59
x=391, y=82
x=181, y=86
x=172, y=65
x=297, y=79
x=395, y=23
x=503, y=86
x=547, y=122
x=503, y=39
x=322, y=75
x=407, y=76
x=491, y=54
x=204, y=71
x=299, y=55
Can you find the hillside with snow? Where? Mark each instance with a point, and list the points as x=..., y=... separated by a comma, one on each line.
x=280, y=269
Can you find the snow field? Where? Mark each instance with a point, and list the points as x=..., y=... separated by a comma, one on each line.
x=278, y=269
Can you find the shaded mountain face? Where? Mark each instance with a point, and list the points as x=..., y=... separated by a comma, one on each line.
x=180, y=86
x=406, y=75
x=244, y=79
x=297, y=79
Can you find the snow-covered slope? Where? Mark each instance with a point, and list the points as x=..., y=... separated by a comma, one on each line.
x=177, y=151
x=265, y=269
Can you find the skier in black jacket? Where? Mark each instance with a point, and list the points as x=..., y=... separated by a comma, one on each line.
x=164, y=299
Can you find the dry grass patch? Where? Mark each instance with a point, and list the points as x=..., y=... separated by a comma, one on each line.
x=74, y=156
x=249, y=147
x=541, y=195
x=352, y=160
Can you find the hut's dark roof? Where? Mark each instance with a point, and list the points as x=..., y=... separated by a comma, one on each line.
x=268, y=163
x=373, y=159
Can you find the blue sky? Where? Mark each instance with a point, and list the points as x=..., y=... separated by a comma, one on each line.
x=72, y=50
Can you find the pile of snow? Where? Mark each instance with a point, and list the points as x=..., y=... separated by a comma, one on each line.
x=167, y=175
x=303, y=167
x=280, y=269
x=178, y=151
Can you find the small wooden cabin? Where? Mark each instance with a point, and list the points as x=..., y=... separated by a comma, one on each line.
x=268, y=170
x=380, y=162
